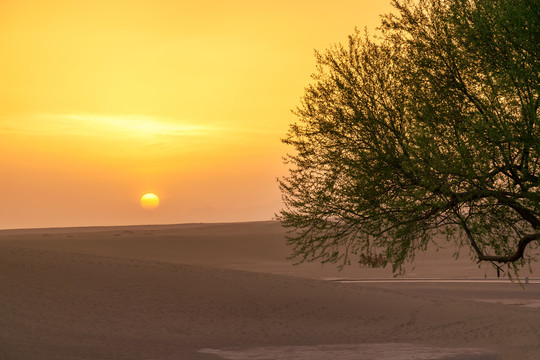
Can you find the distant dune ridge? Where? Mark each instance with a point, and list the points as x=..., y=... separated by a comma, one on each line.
x=227, y=291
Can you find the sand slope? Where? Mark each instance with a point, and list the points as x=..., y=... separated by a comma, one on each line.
x=82, y=297
x=253, y=246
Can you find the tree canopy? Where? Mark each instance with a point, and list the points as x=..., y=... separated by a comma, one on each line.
x=429, y=127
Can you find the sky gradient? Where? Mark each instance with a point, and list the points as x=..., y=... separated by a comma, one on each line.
x=103, y=101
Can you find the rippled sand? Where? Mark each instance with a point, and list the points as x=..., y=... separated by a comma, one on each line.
x=388, y=351
x=218, y=291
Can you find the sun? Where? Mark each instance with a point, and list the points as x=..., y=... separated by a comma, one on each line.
x=149, y=201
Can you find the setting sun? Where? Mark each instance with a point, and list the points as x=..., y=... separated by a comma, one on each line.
x=149, y=201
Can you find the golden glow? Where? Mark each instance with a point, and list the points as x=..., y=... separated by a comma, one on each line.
x=149, y=201
x=104, y=125
x=102, y=100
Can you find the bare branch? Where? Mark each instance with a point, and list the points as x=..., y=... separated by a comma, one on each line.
x=523, y=242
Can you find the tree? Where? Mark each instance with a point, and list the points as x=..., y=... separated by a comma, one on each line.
x=431, y=127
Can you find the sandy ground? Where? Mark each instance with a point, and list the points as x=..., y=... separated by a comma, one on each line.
x=226, y=291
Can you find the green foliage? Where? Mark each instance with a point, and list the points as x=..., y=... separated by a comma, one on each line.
x=431, y=127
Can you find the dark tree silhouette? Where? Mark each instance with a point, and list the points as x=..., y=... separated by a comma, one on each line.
x=430, y=127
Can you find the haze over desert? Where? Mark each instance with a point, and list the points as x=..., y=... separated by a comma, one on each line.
x=161, y=161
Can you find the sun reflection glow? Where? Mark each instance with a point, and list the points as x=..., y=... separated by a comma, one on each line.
x=126, y=125
x=137, y=124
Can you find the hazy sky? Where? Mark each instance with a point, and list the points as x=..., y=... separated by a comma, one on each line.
x=102, y=101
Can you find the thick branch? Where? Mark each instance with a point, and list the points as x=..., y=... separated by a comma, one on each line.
x=523, y=242
x=525, y=213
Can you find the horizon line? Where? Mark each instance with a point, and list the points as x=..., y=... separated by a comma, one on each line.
x=133, y=225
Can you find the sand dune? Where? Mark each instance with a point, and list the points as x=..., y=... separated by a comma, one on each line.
x=176, y=292
x=252, y=246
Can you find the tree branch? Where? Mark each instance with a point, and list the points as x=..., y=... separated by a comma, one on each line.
x=523, y=242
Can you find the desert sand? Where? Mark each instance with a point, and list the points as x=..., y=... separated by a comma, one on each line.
x=227, y=291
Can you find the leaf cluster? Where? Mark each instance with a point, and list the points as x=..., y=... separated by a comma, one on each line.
x=433, y=127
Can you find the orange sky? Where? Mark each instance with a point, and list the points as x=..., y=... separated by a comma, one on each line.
x=104, y=100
